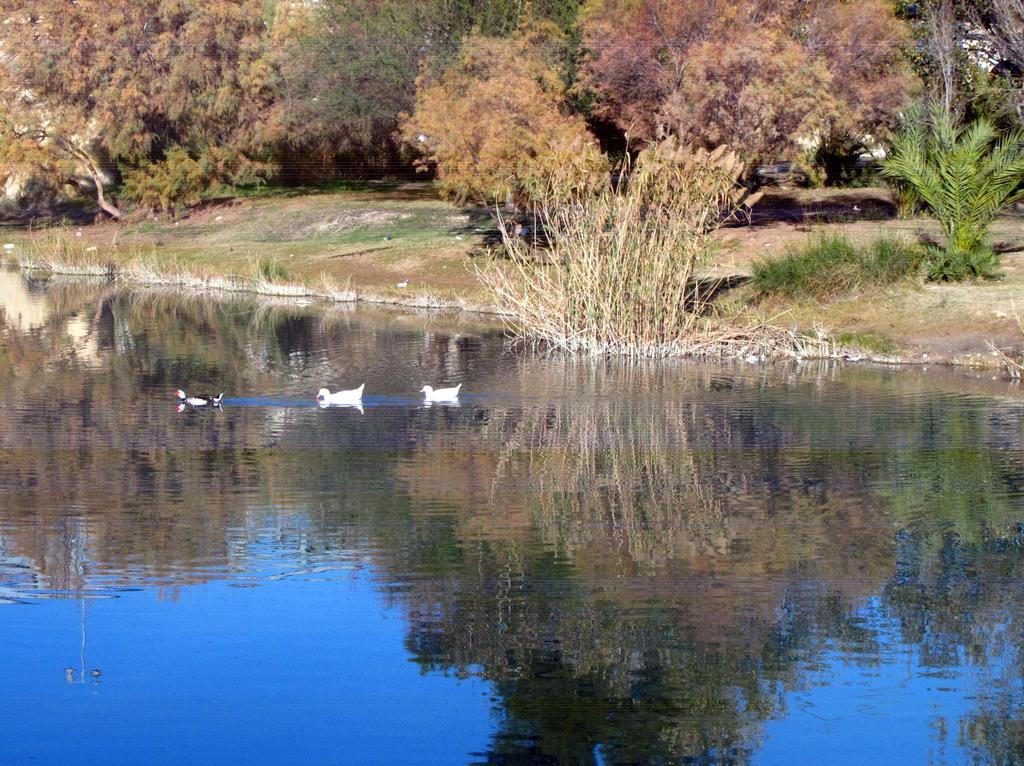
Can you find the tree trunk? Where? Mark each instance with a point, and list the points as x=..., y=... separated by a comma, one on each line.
x=945, y=45
x=108, y=207
x=97, y=178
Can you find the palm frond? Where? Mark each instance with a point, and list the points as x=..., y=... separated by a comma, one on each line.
x=966, y=174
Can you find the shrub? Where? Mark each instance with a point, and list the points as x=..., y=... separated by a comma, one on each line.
x=617, y=274
x=832, y=266
x=966, y=174
x=177, y=181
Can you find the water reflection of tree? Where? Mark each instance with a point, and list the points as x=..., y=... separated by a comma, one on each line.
x=959, y=602
x=639, y=559
x=89, y=434
x=650, y=570
x=642, y=560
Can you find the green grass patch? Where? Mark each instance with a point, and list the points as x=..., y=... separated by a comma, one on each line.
x=270, y=270
x=832, y=266
x=868, y=341
x=278, y=190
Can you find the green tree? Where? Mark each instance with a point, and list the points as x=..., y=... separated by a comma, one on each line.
x=970, y=54
x=1001, y=24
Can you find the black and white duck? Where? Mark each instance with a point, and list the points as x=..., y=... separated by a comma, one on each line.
x=199, y=401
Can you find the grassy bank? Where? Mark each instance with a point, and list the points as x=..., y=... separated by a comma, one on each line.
x=364, y=243
x=264, y=277
x=386, y=243
x=893, y=318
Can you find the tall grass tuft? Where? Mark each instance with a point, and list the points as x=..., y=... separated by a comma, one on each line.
x=615, y=273
x=58, y=253
x=832, y=266
x=907, y=200
x=269, y=270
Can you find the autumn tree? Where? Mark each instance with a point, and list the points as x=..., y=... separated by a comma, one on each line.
x=758, y=75
x=94, y=83
x=350, y=68
x=756, y=92
x=863, y=46
x=495, y=121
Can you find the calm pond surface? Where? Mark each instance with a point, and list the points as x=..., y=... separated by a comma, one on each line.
x=586, y=562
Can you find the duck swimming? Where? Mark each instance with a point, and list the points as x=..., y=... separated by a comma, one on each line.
x=432, y=394
x=199, y=401
x=352, y=396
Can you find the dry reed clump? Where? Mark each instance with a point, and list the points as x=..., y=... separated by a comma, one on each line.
x=616, y=271
x=338, y=293
x=1013, y=363
x=60, y=254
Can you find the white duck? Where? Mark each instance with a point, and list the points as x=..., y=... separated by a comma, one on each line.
x=440, y=394
x=352, y=396
x=199, y=401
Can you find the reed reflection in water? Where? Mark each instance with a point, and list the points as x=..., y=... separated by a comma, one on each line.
x=587, y=561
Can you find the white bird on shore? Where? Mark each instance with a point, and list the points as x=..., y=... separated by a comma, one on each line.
x=441, y=394
x=352, y=396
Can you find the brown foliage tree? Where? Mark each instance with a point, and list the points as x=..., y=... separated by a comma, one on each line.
x=349, y=67
x=123, y=81
x=495, y=120
x=756, y=93
x=756, y=74
x=861, y=43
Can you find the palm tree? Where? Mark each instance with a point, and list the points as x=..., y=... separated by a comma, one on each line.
x=966, y=174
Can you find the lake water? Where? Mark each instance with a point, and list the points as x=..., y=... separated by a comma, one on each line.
x=585, y=562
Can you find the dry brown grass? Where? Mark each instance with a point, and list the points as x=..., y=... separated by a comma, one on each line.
x=59, y=253
x=1013, y=362
x=617, y=272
